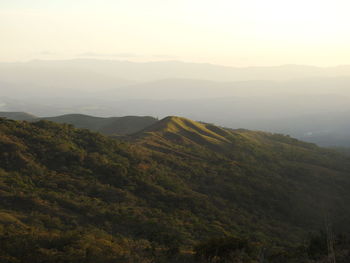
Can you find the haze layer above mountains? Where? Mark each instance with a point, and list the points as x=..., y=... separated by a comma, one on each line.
x=309, y=103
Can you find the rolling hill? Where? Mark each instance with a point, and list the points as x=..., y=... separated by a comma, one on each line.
x=18, y=116
x=108, y=126
x=73, y=195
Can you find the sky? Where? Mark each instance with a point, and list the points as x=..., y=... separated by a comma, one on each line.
x=226, y=32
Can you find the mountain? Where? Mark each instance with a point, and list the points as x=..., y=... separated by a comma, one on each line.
x=70, y=195
x=23, y=116
x=88, y=78
x=189, y=89
x=38, y=107
x=273, y=164
x=196, y=89
x=304, y=117
x=108, y=126
x=289, y=99
x=181, y=131
x=85, y=77
x=52, y=79
x=90, y=70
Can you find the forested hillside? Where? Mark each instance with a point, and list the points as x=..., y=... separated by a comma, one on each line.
x=108, y=126
x=20, y=116
x=70, y=195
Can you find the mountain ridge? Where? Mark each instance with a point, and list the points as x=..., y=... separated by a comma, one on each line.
x=106, y=125
x=148, y=71
x=19, y=116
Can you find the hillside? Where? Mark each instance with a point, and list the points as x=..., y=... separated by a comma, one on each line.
x=172, y=132
x=108, y=126
x=18, y=116
x=70, y=195
x=276, y=168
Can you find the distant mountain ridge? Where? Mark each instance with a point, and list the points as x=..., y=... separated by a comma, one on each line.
x=18, y=116
x=108, y=126
x=277, y=99
x=122, y=71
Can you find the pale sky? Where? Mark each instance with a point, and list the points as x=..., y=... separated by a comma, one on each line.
x=227, y=32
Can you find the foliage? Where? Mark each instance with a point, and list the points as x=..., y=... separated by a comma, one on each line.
x=70, y=195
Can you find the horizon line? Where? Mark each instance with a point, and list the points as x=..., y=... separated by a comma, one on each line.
x=170, y=61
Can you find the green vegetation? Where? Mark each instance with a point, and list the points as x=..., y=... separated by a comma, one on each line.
x=19, y=116
x=171, y=193
x=108, y=126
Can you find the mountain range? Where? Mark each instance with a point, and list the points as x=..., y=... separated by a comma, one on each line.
x=284, y=99
x=328, y=129
x=126, y=71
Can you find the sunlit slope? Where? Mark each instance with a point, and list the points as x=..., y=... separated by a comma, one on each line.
x=185, y=130
x=177, y=132
x=259, y=168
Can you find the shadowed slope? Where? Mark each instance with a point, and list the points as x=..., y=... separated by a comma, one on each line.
x=18, y=116
x=108, y=126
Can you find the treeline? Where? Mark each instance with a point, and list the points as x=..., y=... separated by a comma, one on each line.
x=315, y=249
x=82, y=245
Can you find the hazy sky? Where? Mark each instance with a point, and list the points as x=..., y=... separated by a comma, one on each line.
x=229, y=32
